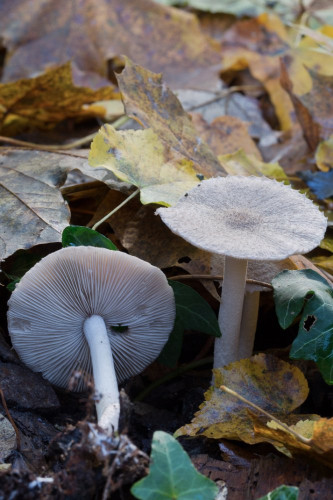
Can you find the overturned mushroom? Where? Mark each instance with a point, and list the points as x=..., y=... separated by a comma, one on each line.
x=93, y=310
x=243, y=218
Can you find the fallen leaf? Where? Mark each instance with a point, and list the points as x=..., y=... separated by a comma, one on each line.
x=314, y=109
x=324, y=155
x=46, y=100
x=226, y=135
x=151, y=103
x=324, y=262
x=140, y=158
x=32, y=210
x=305, y=292
x=320, y=183
x=7, y=438
x=92, y=33
x=272, y=384
x=240, y=163
x=169, y=465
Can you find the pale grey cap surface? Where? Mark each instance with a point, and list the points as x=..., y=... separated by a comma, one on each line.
x=48, y=308
x=253, y=218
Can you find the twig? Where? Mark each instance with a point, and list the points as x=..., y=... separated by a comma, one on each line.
x=95, y=226
x=299, y=437
x=4, y=404
x=216, y=277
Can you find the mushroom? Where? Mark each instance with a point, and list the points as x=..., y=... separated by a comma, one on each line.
x=243, y=218
x=259, y=271
x=93, y=310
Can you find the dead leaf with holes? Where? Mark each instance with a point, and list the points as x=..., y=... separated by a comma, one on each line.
x=44, y=101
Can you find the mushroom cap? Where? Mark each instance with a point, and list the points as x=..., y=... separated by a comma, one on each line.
x=48, y=308
x=250, y=217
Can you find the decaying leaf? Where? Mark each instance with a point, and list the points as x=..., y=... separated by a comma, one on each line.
x=32, y=210
x=7, y=438
x=46, y=100
x=272, y=384
x=140, y=158
x=259, y=44
x=90, y=33
x=151, y=103
x=320, y=183
x=324, y=155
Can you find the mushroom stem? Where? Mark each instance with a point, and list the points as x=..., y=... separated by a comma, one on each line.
x=248, y=324
x=230, y=313
x=106, y=386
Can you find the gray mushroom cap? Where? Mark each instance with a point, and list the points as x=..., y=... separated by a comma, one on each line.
x=253, y=218
x=49, y=306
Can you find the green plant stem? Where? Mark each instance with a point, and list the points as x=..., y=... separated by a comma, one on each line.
x=173, y=374
x=95, y=226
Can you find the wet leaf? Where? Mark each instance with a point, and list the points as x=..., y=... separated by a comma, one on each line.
x=282, y=493
x=80, y=235
x=92, y=33
x=320, y=183
x=140, y=158
x=192, y=313
x=306, y=293
x=32, y=210
x=46, y=100
x=240, y=163
x=272, y=384
x=151, y=103
x=172, y=474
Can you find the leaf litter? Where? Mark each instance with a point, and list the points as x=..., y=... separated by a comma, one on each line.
x=169, y=148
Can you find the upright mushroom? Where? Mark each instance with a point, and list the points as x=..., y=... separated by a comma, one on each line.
x=243, y=218
x=93, y=310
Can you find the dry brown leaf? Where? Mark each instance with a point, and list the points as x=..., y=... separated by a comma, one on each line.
x=226, y=134
x=91, y=33
x=46, y=100
x=151, y=103
x=32, y=210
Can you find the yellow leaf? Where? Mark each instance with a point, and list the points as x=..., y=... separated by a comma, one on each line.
x=269, y=382
x=240, y=163
x=324, y=155
x=46, y=100
x=140, y=158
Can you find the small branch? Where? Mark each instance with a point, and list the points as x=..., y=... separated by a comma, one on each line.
x=95, y=226
x=63, y=147
x=216, y=277
x=299, y=437
x=4, y=404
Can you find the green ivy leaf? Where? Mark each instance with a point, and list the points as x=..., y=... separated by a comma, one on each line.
x=74, y=236
x=305, y=292
x=192, y=313
x=282, y=493
x=172, y=474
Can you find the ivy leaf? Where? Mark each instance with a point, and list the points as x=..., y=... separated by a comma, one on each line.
x=74, y=236
x=192, y=313
x=305, y=292
x=282, y=493
x=172, y=474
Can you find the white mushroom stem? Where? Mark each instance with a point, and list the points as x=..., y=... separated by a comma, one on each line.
x=230, y=313
x=249, y=324
x=106, y=386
